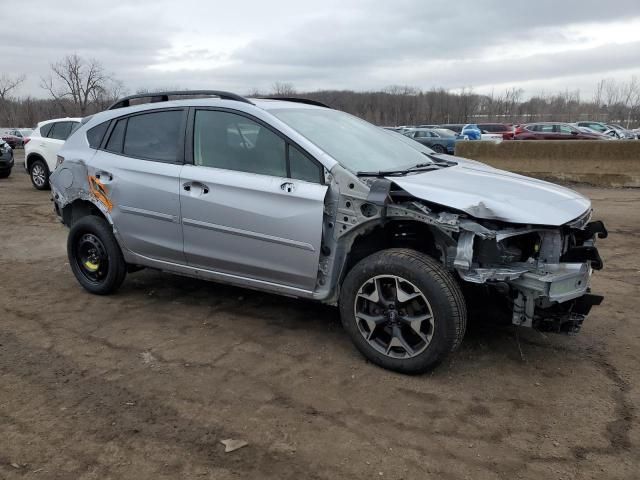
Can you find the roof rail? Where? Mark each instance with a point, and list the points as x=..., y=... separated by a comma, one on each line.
x=307, y=101
x=164, y=97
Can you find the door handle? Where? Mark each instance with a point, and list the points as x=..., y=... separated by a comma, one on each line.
x=101, y=173
x=288, y=187
x=187, y=187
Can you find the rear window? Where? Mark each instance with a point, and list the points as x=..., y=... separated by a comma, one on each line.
x=95, y=134
x=154, y=136
x=60, y=130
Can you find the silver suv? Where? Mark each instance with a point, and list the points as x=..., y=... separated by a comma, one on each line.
x=293, y=197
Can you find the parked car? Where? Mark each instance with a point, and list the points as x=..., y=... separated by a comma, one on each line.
x=473, y=132
x=505, y=129
x=17, y=137
x=622, y=132
x=552, y=131
x=41, y=152
x=439, y=140
x=322, y=205
x=597, y=126
x=606, y=135
x=6, y=159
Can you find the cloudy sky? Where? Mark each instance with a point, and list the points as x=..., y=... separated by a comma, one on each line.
x=547, y=45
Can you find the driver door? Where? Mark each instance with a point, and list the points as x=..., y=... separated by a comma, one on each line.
x=252, y=203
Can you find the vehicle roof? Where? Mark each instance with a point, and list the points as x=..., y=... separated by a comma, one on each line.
x=68, y=119
x=261, y=103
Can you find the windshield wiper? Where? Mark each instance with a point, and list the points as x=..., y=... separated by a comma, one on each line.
x=439, y=161
x=420, y=167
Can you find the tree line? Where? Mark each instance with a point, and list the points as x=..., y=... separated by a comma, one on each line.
x=80, y=87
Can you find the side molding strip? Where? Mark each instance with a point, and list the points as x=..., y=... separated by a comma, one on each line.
x=249, y=234
x=149, y=213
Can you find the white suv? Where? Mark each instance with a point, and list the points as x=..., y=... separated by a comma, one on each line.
x=41, y=151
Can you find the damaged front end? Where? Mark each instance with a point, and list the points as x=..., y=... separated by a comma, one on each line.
x=545, y=271
x=536, y=274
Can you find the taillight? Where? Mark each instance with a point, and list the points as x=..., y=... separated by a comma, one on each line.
x=59, y=161
x=26, y=140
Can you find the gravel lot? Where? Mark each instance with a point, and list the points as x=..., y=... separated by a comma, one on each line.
x=146, y=383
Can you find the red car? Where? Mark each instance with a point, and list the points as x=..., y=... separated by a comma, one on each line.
x=17, y=137
x=552, y=131
x=505, y=129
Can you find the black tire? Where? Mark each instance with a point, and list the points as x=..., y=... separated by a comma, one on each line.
x=437, y=148
x=39, y=174
x=5, y=173
x=437, y=287
x=110, y=268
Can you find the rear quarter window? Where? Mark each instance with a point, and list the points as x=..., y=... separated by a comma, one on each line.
x=45, y=129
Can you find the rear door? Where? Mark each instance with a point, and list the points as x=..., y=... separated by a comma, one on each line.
x=252, y=201
x=548, y=131
x=138, y=164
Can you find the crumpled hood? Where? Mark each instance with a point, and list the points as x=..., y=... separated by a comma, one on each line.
x=487, y=193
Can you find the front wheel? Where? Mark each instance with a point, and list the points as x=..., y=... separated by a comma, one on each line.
x=95, y=256
x=403, y=310
x=437, y=148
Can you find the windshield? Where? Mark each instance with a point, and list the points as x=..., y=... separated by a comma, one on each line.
x=354, y=143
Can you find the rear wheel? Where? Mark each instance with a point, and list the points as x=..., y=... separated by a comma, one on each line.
x=437, y=148
x=5, y=173
x=95, y=257
x=403, y=310
x=39, y=173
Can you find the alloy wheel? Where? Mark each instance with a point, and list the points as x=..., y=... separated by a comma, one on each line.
x=39, y=175
x=394, y=316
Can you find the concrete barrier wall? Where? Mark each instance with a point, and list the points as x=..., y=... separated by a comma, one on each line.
x=614, y=163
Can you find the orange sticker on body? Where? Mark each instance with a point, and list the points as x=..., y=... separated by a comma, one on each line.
x=99, y=191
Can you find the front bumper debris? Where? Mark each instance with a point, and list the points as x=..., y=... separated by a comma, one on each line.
x=550, y=290
x=557, y=299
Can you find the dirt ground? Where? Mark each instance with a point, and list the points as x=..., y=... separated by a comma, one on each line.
x=146, y=383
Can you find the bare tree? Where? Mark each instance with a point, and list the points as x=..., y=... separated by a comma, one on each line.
x=77, y=79
x=283, y=89
x=611, y=91
x=8, y=83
